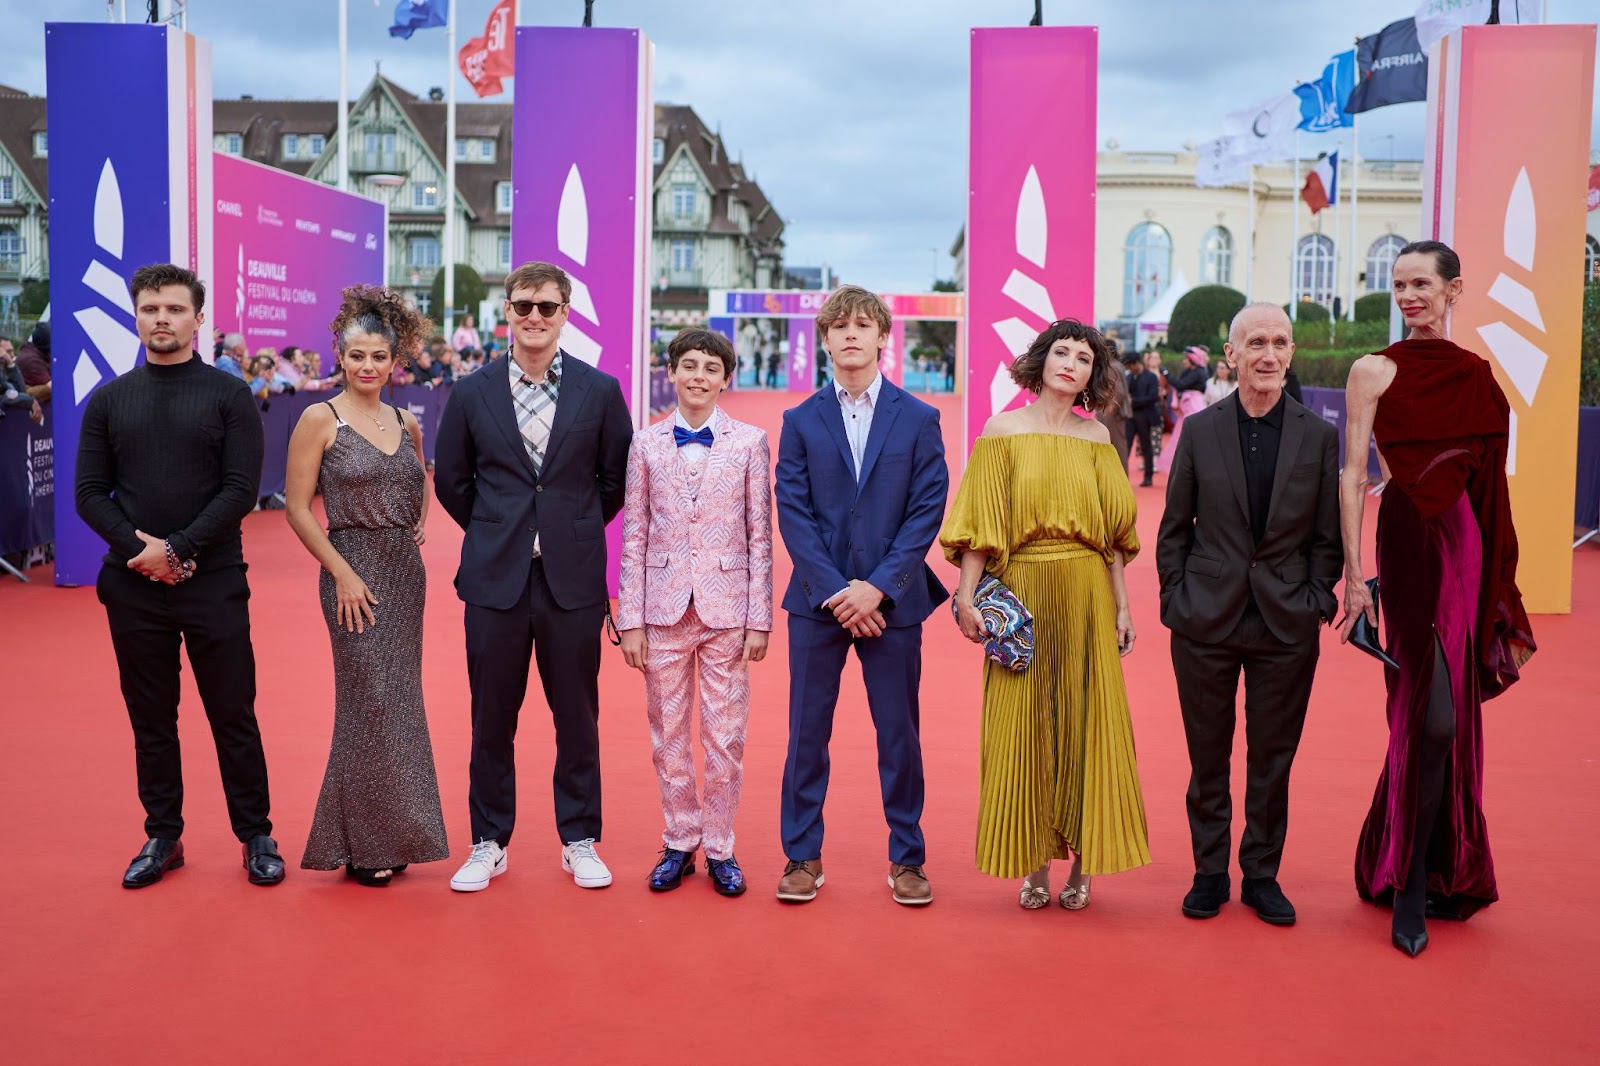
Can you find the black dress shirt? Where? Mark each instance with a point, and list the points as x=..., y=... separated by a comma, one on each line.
x=1258, y=441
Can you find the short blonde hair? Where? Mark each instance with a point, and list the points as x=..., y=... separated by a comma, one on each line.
x=847, y=301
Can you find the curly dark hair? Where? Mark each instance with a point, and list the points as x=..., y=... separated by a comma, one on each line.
x=1027, y=369
x=382, y=312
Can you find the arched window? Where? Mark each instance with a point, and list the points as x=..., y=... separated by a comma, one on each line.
x=1380, y=262
x=1216, y=257
x=10, y=247
x=1146, y=267
x=1314, y=268
x=1591, y=259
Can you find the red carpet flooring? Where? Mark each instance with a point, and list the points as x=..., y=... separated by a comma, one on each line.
x=205, y=968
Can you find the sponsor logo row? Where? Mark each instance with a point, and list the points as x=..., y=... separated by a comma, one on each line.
x=268, y=217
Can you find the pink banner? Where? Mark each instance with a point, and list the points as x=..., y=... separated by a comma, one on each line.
x=1030, y=222
x=892, y=365
x=285, y=248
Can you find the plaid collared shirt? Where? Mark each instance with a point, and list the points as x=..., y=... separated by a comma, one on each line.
x=535, y=404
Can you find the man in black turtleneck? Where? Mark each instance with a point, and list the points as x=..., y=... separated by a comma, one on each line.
x=169, y=460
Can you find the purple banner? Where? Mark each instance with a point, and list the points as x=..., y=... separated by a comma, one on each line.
x=802, y=365
x=124, y=191
x=27, y=480
x=285, y=248
x=582, y=194
x=1328, y=405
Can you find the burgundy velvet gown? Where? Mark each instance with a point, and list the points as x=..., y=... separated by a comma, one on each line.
x=1447, y=558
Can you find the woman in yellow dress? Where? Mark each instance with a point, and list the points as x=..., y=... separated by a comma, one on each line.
x=1046, y=507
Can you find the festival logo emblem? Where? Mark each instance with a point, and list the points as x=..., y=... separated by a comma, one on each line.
x=572, y=241
x=116, y=345
x=1032, y=239
x=1522, y=360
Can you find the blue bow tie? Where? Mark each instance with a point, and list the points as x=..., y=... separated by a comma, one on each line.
x=681, y=436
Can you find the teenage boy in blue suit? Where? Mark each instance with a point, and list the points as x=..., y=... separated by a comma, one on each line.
x=861, y=487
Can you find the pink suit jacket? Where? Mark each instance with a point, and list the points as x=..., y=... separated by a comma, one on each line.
x=716, y=548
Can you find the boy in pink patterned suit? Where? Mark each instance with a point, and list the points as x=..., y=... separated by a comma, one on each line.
x=696, y=600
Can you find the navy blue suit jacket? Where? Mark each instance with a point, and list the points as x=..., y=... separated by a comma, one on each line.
x=878, y=530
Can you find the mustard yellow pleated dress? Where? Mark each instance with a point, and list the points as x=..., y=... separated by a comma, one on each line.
x=1057, y=769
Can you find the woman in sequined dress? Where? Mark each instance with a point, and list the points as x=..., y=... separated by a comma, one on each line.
x=378, y=811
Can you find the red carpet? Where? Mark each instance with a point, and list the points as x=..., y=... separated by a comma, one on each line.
x=205, y=968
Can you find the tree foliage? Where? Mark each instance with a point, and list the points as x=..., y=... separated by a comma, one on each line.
x=1201, y=316
x=470, y=292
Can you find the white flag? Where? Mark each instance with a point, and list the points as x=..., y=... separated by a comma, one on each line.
x=1265, y=134
x=1435, y=18
x=1220, y=164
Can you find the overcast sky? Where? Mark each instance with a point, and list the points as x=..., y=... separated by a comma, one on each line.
x=852, y=114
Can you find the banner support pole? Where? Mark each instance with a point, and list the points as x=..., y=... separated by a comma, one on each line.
x=344, y=99
x=1294, y=240
x=450, y=179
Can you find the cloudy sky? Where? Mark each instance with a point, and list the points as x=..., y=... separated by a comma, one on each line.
x=852, y=114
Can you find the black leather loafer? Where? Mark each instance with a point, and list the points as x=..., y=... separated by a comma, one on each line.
x=1206, y=898
x=153, y=861
x=262, y=862
x=1263, y=894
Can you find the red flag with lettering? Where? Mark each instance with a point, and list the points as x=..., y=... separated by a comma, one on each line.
x=485, y=60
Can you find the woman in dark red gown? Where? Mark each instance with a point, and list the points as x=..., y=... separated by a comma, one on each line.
x=1453, y=618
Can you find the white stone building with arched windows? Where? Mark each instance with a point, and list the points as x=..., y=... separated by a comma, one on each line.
x=1153, y=226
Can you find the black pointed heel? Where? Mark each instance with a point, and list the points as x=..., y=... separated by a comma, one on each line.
x=1410, y=943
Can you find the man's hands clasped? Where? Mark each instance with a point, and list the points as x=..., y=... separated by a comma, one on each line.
x=857, y=607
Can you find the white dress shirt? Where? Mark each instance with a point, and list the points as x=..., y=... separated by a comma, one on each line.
x=857, y=414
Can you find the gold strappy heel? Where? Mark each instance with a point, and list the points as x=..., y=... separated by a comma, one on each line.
x=1033, y=896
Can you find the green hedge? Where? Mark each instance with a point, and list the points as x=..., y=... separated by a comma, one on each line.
x=1326, y=369
x=1309, y=312
x=1374, y=306
x=1201, y=316
x=1317, y=336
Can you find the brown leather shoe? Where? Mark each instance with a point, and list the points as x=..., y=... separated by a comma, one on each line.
x=910, y=885
x=800, y=881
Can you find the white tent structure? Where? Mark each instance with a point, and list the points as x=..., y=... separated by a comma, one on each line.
x=1157, y=315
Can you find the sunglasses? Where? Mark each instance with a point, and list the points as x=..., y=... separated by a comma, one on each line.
x=547, y=308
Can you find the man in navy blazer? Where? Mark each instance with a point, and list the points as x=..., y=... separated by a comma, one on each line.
x=531, y=461
x=861, y=487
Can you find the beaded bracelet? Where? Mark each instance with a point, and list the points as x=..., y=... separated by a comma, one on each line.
x=183, y=568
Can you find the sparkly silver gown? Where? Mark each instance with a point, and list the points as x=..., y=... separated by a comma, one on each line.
x=379, y=805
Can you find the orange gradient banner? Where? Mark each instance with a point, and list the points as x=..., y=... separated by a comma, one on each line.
x=1505, y=174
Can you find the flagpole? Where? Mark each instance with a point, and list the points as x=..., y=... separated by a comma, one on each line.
x=1294, y=241
x=1338, y=218
x=1250, y=242
x=344, y=96
x=1355, y=182
x=450, y=175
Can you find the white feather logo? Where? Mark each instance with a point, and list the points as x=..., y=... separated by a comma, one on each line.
x=1523, y=361
x=1032, y=240
x=116, y=343
x=238, y=296
x=572, y=240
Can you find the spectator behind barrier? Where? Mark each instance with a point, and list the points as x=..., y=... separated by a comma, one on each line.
x=33, y=359
x=13, y=390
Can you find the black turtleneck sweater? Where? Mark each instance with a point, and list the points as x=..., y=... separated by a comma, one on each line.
x=175, y=452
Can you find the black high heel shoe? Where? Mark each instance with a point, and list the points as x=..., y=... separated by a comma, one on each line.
x=370, y=878
x=1410, y=943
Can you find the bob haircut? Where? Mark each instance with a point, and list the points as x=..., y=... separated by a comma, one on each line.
x=704, y=340
x=1028, y=368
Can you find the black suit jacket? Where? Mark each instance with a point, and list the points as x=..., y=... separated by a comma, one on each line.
x=483, y=477
x=1144, y=395
x=1206, y=556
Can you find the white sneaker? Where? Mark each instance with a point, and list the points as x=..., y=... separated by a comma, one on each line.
x=488, y=860
x=579, y=859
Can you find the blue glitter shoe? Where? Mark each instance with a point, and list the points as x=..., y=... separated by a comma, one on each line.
x=671, y=869
x=726, y=877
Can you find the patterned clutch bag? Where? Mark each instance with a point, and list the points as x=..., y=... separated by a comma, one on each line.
x=1006, y=621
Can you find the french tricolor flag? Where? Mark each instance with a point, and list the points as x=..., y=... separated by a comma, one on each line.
x=1322, y=184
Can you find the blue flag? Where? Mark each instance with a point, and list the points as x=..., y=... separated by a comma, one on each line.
x=1322, y=101
x=413, y=15
x=1393, y=68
